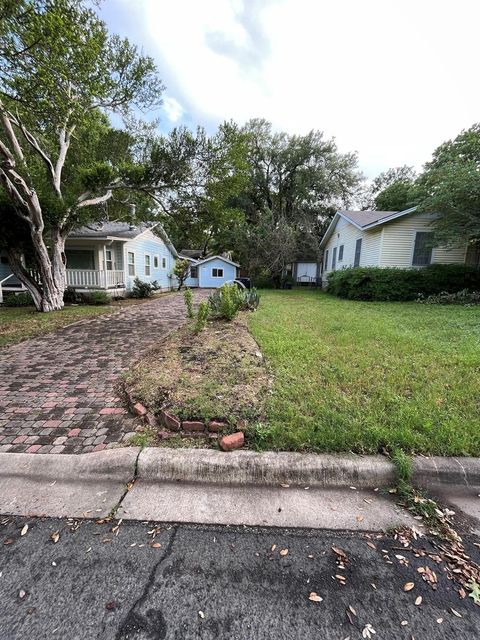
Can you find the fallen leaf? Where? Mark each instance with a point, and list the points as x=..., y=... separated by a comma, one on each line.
x=155, y=545
x=404, y=623
x=21, y=593
x=455, y=613
x=352, y=609
x=8, y=541
x=314, y=597
x=371, y=545
x=55, y=536
x=274, y=546
x=418, y=601
x=408, y=586
x=368, y=631
x=373, y=585
x=339, y=552
x=284, y=552
x=474, y=588
x=360, y=518
x=285, y=486
x=24, y=530
x=110, y=606
x=439, y=620
x=201, y=614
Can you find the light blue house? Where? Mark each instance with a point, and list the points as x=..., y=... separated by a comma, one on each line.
x=109, y=256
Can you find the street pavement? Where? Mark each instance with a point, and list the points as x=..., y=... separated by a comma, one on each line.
x=138, y=580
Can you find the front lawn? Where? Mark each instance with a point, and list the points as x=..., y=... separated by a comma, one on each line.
x=367, y=376
x=21, y=323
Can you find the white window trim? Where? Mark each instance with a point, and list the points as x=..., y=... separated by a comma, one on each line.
x=157, y=258
x=131, y=263
x=149, y=255
x=218, y=269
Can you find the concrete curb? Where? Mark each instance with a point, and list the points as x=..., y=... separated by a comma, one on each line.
x=269, y=468
x=115, y=465
x=435, y=471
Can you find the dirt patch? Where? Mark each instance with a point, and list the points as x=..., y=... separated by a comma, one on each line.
x=218, y=374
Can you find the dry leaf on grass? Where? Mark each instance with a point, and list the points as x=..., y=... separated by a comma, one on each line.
x=284, y=552
x=24, y=530
x=455, y=613
x=408, y=586
x=201, y=614
x=55, y=536
x=418, y=601
x=155, y=545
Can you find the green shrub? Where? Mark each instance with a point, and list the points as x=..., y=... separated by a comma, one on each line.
x=379, y=283
x=188, y=297
x=203, y=313
x=463, y=297
x=23, y=299
x=142, y=289
x=98, y=298
x=226, y=302
x=71, y=296
x=251, y=299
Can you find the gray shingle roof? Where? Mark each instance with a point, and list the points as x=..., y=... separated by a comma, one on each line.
x=364, y=218
x=105, y=229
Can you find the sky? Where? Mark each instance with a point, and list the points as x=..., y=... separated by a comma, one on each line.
x=389, y=79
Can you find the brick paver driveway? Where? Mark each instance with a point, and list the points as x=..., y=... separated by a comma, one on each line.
x=58, y=392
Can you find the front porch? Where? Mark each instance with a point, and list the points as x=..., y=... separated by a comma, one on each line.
x=95, y=265
x=95, y=279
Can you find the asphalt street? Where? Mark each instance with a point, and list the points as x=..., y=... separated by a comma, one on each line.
x=151, y=582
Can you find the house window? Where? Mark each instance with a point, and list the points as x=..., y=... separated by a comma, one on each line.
x=334, y=258
x=131, y=263
x=217, y=273
x=194, y=272
x=326, y=259
x=155, y=262
x=108, y=260
x=340, y=253
x=358, y=252
x=147, y=264
x=164, y=262
x=422, y=250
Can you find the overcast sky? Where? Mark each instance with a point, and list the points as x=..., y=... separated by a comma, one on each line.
x=390, y=79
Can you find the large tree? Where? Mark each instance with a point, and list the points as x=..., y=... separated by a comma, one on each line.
x=60, y=71
x=296, y=184
x=392, y=190
x=450, y=186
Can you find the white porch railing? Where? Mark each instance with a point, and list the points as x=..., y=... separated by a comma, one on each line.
x=93, y=279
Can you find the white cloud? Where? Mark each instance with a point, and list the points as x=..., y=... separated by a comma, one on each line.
x=390, y=80
x=173, y=109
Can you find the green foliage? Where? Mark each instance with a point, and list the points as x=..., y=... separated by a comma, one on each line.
x=251, y=299
x=97, y=298
x=229, y=299
x=450, y=186
x=181, y=271
x=142, y=289
x=23, y=299
x=377, y=283
x=188, y=297
x=226, y=301
x=464, y=297
x=71, y=296
x=203, y=313
x=398, y=196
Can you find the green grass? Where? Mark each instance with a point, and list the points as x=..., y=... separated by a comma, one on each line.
x=369, y=376
x=21, y=323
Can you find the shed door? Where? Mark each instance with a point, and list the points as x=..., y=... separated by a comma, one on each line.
x=308, y=269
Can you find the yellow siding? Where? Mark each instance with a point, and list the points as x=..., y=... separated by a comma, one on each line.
x=347, y=234
x=399, y=238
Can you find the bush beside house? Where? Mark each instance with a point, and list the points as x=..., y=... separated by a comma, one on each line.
x=394, y=284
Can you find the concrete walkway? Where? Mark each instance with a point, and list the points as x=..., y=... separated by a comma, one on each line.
x=58, y=392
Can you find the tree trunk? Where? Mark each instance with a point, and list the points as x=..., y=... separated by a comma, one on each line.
x=48, y=287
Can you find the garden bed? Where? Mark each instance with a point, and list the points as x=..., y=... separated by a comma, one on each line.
x=217, y=375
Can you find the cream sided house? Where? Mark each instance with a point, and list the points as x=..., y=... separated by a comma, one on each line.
x=386, y=239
